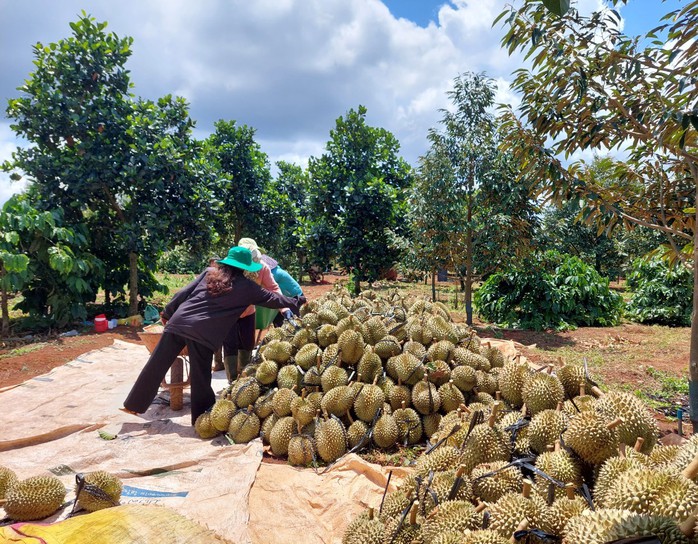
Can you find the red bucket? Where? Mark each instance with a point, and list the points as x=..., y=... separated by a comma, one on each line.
x=101, y=323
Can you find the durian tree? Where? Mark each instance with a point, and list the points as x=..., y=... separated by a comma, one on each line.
x=128, y=169
x=357, y=197
x=589, y=87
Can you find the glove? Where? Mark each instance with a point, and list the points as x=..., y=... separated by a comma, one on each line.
x=288, y=314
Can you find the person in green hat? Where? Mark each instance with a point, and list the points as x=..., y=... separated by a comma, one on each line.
x=200, y=317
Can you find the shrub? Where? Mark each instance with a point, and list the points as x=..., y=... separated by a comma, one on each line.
x=549, y=291
x=662, y=294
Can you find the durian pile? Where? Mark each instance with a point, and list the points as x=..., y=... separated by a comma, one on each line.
x=353, y=373
x=38, y=497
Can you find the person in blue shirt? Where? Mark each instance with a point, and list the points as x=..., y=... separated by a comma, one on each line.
x=289, y=287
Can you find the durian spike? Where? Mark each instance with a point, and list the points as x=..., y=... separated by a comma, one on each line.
x=370, y=514
x=569, y=491
x=526, y=489
x=613, y=424
x=596, y=392
x=522, y=526
x=638, y=443
x=493, y=416
x=557, y=446
x=582, y=390
x=691, y=471
x=413, y=513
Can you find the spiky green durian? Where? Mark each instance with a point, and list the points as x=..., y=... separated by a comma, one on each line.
x=545, y=428
x=289, y=377
x=409, y=425
x=464, y=378
x=637, y=419
x=367, y=403
x=244, y=426
x=36, y=497
x=463, y=356
x=281, y=402
x=511, y=382
x=572, y=378
x=204, y=427
x=99, y=490
x=351, y=344
x=279, y=351
x=307, y=355
x=591, y=437
x=280, y=435
x=7, y=479
x=385, y=431
x=327, y=335
x=334, y=376
x=451, y=397
x=331, y=439
x=425, y=397
x=244, y=391
x=406, y=368
x=542, y=391
x=370, y=366
x=338, y=400
x=221, y=414
x=491, y=481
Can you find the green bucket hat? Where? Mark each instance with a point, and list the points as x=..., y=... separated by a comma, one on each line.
x=241, y=257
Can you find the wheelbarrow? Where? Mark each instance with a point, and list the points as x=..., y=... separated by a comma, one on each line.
x=150, y=336
x=263, y=318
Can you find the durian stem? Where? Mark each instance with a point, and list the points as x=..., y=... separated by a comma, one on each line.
x=596, y=392
x=465, y=409
x=621, y=450
x=351, y=419
x=526, y=489
x=582, y=390
x=481, y=506
x=638, y=443
x=460, y=471
x=550, y=369
x=550, y=447
x=558, y=446
x=688, y=526
x=522, y=526
x=559, y=406
x=691, y=471
x=613, y=424
x=498, y=395
x=370, y=514
x=523, y=410
x=413, y=513
x=569, y=490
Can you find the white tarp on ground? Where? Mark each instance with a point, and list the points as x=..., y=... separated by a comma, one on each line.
x=51, y=423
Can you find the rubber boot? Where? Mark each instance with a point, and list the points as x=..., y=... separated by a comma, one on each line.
x=244, y=358
x=231, y=369
x=218, y=360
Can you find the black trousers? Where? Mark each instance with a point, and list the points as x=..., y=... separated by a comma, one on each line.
x=241, y=336
x=148, y=382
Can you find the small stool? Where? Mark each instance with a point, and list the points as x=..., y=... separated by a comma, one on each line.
x=177, y=383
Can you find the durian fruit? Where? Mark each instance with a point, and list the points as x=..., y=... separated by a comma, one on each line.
x=686, y=454
x=267, y=426
x=7, y=479
x=463, y=356
x=289, y=377
x=572, y=378
x=511, y=382
x=374, y=330
x=351, y=344
x=425, y=397
x=267, y=371
x=364, y=529
x=664, y=456
x=508, y=512
x=280, y=435
x=608, y=475
x=545, y=428
x=580, y=403
x=385, y=431
x=98, y=490
x=592, y=437
x=430, y=424
x=560, y=465
x=281, y=403
x=418, y=331
x=442, y=458
x=326, y=315
x=563, y=510
x=514, y=424
x=244, y=426
x=440, y=351
x=370, y=366
x=204, y=427
x=307, y=356
x=455, y=516
x=637, y=419
x=398, y=395
x=486, y=443
x=486, y=382
x=301, y=449
x=464, y=378
x=245, y=391
x=327, y=335
x=330, y=439
x=221, y=414
x=451, y=397
x=274, y=334
x=493, y=355
x=406, y=368
x=409, y=425
x=398, y=531
x=441, y=329
x=278, y=350
x=302, y=409
x=357, y=433
x=493, y=487
x=338, y=400
x=36, y=497
x=334, y=376
x=387, y=347
x=436, y=488
x=394, y=504
x=264, y=405
x=608, y=525
x=348, y=323
x=542, y=391
x=304, y=336
x=484, y=536
x=369, y=400
x=414, y=348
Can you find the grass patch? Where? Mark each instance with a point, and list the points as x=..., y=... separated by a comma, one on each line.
x=23, y=350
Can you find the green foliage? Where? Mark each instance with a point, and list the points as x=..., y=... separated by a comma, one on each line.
x=662, y=294
x=181, y=260
x=48, y=262
x=549, y=291
x=356, y=199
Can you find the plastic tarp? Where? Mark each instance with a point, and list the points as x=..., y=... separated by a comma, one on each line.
x=53, y=423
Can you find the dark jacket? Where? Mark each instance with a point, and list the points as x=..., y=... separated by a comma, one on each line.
x=193, y=313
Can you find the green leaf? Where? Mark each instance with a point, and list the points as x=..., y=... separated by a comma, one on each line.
x=689, y=211
x=558, y=7
x=104, y=435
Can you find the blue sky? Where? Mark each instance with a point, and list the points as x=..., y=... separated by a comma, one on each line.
x=290, y=68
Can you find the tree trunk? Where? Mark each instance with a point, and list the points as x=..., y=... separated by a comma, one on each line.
x=5, y=312
x=357, y=285
x=433, y=285
x=468, y=297
x=693, y=352
x=133, y=283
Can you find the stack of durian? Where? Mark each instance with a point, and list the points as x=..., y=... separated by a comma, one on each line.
x=354, y=373
x=38, y=497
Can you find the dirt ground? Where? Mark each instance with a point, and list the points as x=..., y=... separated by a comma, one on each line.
x=635, y=357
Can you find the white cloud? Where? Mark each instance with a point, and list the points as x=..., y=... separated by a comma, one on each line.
x=8, y=144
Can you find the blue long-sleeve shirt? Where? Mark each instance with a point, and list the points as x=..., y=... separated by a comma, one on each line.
x=289, y=287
